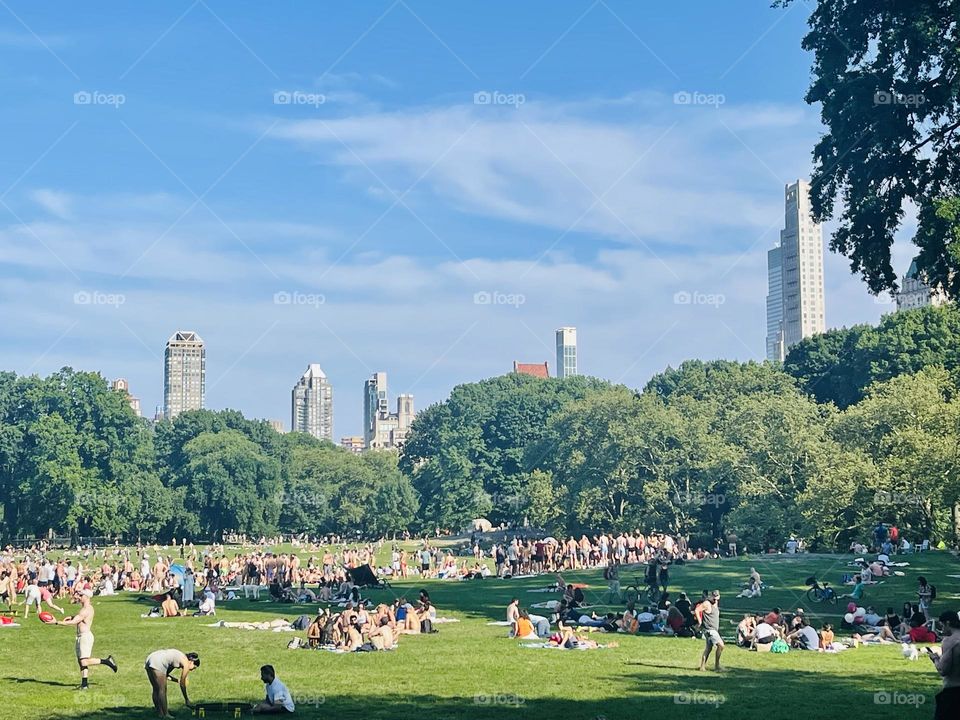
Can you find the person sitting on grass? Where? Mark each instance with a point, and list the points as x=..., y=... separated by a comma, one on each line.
x=277, y=698
x=677, y=623
x=858, y=589
x=746, y=631
x=208, y=605
x=169, y=607
x=315, y=631
x=752, y=590
x=523, y=628
x=382, y=636
x=804, y=637
x=765, y=633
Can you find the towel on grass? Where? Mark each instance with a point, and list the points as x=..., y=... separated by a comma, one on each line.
x=500, y=622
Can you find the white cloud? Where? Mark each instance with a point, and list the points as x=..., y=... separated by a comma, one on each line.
x=669, y=176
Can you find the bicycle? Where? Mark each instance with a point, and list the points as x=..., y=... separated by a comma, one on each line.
x=639, y=590
x=820, y=593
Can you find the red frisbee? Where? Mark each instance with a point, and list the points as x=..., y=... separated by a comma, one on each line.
x=46, y=617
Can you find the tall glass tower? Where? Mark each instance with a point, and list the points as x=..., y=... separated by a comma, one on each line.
x=566, y=352
x=312, y=404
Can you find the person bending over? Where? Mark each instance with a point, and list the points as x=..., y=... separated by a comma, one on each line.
x=159, y=666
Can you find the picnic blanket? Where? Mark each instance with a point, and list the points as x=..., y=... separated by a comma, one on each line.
x=549, y=646
x=500, y=622
x=251, y=626
x=444, y=620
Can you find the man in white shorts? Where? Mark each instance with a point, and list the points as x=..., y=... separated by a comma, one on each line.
x=84, y=623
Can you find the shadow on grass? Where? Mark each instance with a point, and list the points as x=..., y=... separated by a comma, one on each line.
x=52, y=683
x=740, y=694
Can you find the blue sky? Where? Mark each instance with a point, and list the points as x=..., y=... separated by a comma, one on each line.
x=191, y=165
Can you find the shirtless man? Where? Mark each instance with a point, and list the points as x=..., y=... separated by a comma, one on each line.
x=84, y=623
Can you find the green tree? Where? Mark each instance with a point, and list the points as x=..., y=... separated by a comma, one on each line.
x=229, y=484
x=887, y=78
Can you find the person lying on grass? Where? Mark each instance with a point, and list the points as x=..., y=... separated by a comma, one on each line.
x=567, y=639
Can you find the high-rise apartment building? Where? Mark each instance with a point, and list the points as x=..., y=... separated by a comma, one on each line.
x=381, y=428
x=801, y=274
x=184, y=373
x=914, y=291
x=566, y=352
x=775, y=350
x=312, y=404
x=374, y=404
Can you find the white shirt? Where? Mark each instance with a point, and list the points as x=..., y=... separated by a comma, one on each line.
x=810, y=635
x=764, y=630
x=277, y=694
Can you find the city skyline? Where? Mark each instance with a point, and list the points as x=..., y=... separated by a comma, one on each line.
x=436, y=208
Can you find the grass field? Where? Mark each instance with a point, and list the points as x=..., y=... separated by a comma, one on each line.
x=472, y=670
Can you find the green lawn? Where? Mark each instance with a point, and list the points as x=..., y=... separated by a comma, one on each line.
x=471, y=670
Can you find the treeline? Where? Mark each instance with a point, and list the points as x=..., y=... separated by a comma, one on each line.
x=75, y=459
x=858, y=425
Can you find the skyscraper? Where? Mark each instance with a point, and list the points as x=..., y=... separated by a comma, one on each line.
x=566, y=352
x=775, y=304
x=312, y=404
x=382, y=428
x=914, y=291
x=184, y=373
x=374, y=404
x=801, y=273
